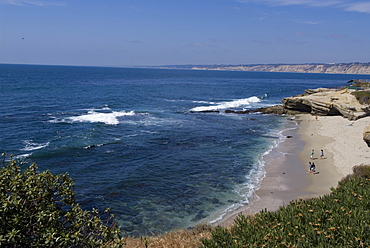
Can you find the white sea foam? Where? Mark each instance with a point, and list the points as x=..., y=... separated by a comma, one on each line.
x=105, y=108
x=206, y=102
x=94, y=116
x=146, y=119
x=22, y=156
x=226, y=105
x=31, y=146
x=92, y=146
x=246, y=190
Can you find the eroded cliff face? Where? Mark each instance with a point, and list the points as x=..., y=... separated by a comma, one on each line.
x=328, y=102
x=342, y=68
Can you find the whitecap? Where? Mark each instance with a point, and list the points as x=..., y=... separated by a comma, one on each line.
x=22, y=156
x=206, y=102
x=107, y=118
x=227, y=105
x=93, y=146
x=104, y=108
x=31, y=146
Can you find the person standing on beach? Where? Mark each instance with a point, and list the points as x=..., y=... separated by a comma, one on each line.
x=312, y=153
x=321, y=153
x=309, y=166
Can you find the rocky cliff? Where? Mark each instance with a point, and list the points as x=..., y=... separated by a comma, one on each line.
x=340, y=68
x=328, y=102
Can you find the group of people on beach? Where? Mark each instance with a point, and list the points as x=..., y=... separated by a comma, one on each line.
x=312, y=166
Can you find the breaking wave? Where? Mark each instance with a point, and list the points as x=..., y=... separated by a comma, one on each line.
x=93, y=116
x=227, y=105
x=31, y=146
x=107, y=118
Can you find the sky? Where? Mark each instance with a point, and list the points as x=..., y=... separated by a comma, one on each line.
x=179, y=32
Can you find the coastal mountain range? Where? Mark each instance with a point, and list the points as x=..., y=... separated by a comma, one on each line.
x=332, y=68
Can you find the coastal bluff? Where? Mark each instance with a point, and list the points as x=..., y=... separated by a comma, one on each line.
x=332, y=68
x=328, y=102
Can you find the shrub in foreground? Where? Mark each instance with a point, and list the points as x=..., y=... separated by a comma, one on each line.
x=340, y=219
x=40, y=210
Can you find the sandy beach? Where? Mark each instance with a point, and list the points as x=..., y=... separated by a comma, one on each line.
x=288, y=178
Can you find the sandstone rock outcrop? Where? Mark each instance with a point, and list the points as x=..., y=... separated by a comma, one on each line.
x=278, y=109
x=328, y=102
x=366, y=135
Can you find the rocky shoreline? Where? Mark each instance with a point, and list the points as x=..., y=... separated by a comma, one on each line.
x=317, y=102
x=320, y=102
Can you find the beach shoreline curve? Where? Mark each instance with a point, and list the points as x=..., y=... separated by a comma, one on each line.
x=289, y=178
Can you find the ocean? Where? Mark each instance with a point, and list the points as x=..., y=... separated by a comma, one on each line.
x=137, y=141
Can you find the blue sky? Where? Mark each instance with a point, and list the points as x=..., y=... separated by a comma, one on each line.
x=164, y=32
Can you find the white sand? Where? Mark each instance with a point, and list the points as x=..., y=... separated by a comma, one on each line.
x=348, y=147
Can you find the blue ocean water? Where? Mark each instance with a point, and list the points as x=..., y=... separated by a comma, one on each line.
x=135, y=140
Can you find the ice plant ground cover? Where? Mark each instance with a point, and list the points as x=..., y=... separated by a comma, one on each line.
x=339, y=219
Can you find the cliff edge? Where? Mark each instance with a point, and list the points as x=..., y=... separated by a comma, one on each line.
x=324, y=101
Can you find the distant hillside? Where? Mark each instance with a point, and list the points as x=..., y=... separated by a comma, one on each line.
x=345, y=68
x=342, y=68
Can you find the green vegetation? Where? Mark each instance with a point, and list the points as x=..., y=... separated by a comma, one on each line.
x=361, y=84
x=40, y=210
x=362, y=96
x=340, y=219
